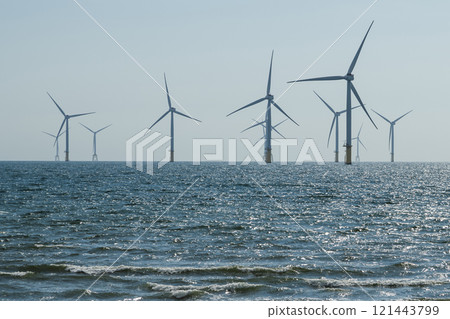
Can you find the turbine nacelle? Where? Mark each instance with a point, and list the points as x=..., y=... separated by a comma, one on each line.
x=269, y=97
x=349, y=77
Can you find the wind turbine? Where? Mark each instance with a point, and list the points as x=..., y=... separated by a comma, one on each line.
x=67, y=117
x=57, y=143
x=268, y=120
x=335, y=120
x=171, y=110
x=263, y=124
x=358, y=141
x=349, y=77
x=391, y=131
x=94, y=156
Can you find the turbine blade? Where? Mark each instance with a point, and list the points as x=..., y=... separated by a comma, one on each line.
x=279, y=108
x=361, y=103
x=355, y=59
x=167, y=92
x=280, y=123
x=360, y=130
x=82, y=114
x=273, y=128
x=59, y=108
x=362, y=144
x=49, y=134
x=402, y=116
x=103, y=128
x=331, y=130
x=325, y=78
x=269, y=82
x=250, y=104
x=382, y=117
x=59, y=131
x=252, y=126
x=344, y=111
x=189, y=117
x=87, y=128
x=61, y=134
x=158, y=120
x=327, y=105
x=390, y=135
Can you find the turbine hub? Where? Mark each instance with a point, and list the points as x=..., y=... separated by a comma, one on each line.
x=270, y=96
x=349, y=77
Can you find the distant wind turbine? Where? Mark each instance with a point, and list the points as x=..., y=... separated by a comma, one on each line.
x=268, y=121
x=349, y=77
x=263, y=124
x=358, y=141
x=67, y=117
x=391, y=131
x=94, y=156
x=171, y=110
x=57, y=143
x=335, y=120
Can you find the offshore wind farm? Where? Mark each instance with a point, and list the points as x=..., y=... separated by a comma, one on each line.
x=241, y=198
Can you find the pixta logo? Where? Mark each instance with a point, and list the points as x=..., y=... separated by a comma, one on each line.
x=141, y=149
x=309, y=151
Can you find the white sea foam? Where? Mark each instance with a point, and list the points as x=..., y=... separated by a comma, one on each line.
x=16, y=273
x=183, y=291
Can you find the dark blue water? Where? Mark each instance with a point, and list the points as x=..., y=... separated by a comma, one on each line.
x=307, y=232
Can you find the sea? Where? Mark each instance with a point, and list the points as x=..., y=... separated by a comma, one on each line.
x=105, y=231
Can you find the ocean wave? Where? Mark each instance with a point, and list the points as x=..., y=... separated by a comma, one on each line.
x=403, y=264
x=52, y=246
x=223, y=270
x=16, y=273
x=193, y=291
x=232, y=270
x=387, y=283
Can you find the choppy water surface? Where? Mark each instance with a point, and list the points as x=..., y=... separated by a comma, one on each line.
x=64, y=224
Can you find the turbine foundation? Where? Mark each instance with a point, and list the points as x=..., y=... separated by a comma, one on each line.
x=172, y=157
x=67, y=156
x=268, y=155
x=336, y=157
x=94, y=158
x=348, y=154
x=392, y=157
x=57, y=158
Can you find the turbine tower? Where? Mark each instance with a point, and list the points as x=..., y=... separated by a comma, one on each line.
x=268, y=121
x=358, y=141
x=57, y=143
x=172, y=111
x=349, y=77
x=335, y=120
x=391, y=131
x=94, y=156
x=67, y=117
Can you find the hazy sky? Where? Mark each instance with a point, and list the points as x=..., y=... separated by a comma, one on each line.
x=216, y=56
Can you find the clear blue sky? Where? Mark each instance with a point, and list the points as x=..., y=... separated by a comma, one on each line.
x=216, y=56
